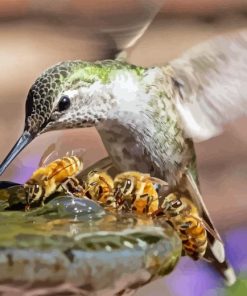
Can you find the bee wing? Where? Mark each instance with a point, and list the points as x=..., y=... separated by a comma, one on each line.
x=48, y=156
x=104, y=164
x=210, y=230
x=161, y=186
x=78, y=152
x=158, y=181
x=211, y=78
x=54, y=152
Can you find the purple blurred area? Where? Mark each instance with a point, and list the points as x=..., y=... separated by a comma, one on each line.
x=37, y=34
x=199, y=278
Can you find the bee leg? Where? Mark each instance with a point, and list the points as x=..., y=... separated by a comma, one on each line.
x=73, y=187
x=157, y=213
x=62, y=188
x=42, y=203
x=66, y=190
x=27, y=208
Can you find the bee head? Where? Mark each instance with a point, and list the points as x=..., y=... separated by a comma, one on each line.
x=34, y=193
x=172, y=203
x=125, y=185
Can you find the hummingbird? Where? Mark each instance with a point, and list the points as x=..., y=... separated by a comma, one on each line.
x=148, y=117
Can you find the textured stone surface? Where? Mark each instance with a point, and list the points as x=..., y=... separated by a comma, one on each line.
x=86, y=252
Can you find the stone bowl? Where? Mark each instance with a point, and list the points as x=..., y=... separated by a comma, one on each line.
x=73, y=246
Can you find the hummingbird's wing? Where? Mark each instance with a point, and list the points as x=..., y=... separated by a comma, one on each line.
x=123, y=23
x=212, y=84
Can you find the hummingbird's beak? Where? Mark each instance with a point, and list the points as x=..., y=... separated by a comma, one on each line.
x=23, y=141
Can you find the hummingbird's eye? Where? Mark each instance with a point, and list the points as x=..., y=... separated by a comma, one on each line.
x=64, y=103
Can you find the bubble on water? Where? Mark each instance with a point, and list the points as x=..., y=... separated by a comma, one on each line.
x=74, y=206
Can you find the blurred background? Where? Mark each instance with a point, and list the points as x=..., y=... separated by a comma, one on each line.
x=37, y=34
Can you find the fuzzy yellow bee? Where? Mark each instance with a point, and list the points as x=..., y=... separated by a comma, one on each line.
x=128, y=191
x=142, y=194
x=135, y=191
x=56, y=176
x=98, y=186
x=184, y=217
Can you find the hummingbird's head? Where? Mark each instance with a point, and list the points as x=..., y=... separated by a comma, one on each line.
x=68, y=95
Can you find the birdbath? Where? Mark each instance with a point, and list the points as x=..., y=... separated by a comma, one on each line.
x=75, y=247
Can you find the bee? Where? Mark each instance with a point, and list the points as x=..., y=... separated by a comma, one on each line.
x=58, y=175
x=135, y=191
x=98, y=186
x=180, y=212
x=128, y=191
x=142, y=194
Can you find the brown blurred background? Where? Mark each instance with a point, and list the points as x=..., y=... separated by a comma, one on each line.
x=37, y=34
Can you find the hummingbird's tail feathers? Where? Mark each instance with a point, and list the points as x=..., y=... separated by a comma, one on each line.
x=215, y=253
x=222, y=267
x=230, y=276
x=218, y=250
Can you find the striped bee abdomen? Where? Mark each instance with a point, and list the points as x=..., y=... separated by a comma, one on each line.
x=183, y=215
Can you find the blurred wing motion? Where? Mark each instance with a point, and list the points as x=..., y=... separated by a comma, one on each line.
x=212, y=80
x=125, y=26
x=212, y=91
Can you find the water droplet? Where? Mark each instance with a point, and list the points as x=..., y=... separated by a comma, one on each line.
x=76, y=206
